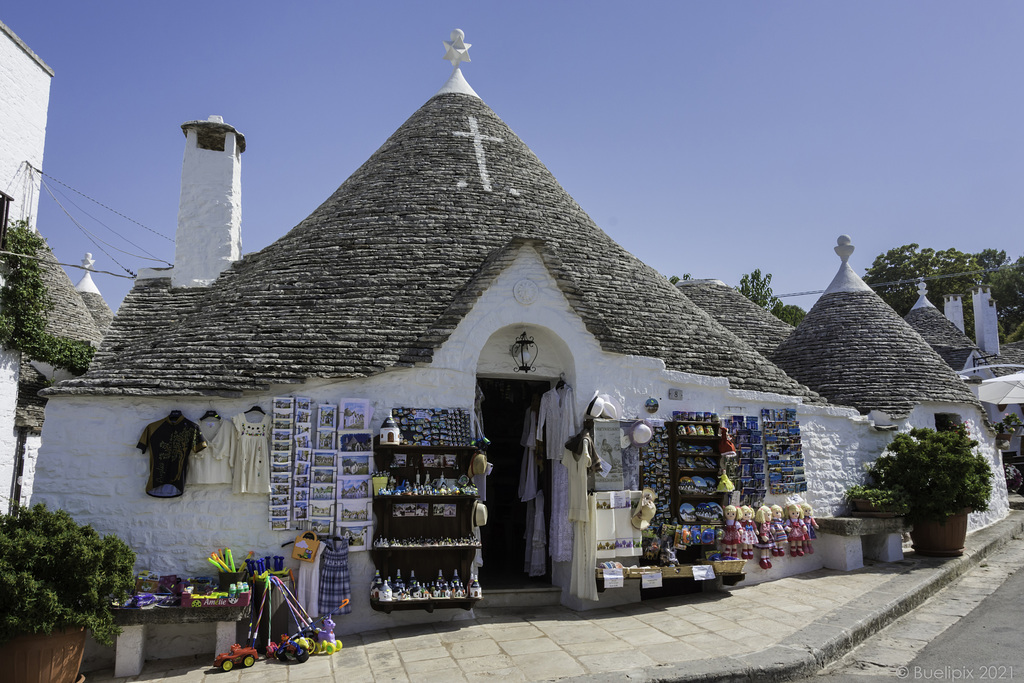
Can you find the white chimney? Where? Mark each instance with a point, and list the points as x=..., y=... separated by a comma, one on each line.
x=954, y=310
x=209, y=237
x=986, y=322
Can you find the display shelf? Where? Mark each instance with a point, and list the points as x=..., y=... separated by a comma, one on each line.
x=429, y=604
x=429, y=516
x=681, y=445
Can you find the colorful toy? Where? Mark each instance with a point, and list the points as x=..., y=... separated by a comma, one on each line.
x=748, y=533
x=236, y=656
x=809, y=525
x=763, y=518
x=731, y=533
x=778, y=529
x=795, y=531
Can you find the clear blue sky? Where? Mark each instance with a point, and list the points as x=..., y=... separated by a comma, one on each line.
x=706, y=137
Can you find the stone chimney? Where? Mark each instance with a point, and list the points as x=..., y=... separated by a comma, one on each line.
x=954, y=310
x=209, y=236
x=986, y=322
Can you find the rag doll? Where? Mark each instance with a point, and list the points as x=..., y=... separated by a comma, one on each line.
x=763, y=518
x=795, y=531
x=731, y=533
x=810, y=525
x=748, y=532
x=778, y=529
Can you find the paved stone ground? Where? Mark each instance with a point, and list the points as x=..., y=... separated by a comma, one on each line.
x=896, y=646
x=770, y=631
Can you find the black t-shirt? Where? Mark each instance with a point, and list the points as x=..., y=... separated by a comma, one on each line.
x=170, y=442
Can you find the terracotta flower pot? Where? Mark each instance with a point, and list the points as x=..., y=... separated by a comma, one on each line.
x=43, y=658
x=941, y=539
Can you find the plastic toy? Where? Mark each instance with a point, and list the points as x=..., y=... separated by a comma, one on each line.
x=236, y=656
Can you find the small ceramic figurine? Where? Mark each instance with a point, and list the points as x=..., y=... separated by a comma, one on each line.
x=763, y=518
x=748, y=532
x=809, y=525
x=731, y=533
x=778, y=528
x=795, y=531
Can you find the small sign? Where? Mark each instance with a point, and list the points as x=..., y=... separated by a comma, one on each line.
x=612, y=578
x=619, y=499
x=703, y=572
x=650, y=580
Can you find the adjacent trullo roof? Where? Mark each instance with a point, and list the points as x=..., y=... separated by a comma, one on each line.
x=92, y=298
x=737, y=313
x=382, y=272
x=855, y=350
x=952, y=345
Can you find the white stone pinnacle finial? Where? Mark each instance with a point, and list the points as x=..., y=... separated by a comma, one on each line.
x=922, y=288
x=457, y=49
x=844, y=247
x=88, y=261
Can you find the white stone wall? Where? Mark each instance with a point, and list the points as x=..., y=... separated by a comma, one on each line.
x=90, y=466
x=24, y=99
x=9, y=362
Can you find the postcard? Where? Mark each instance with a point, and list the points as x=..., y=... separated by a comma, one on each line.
x=303, y=403
x=321, y=526
x=325, y=439
x=355, y=464
x=323, y=458
x=321, y=508
x=322, y=492
x=323, y=475
x=355, y=414
x=358, y=536
x=356, y=510
x=278, y=523
x=327, y=416
x=354, y=488
x=356, y=442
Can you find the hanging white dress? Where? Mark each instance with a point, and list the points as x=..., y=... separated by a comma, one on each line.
x=248, y=446
x=211, y=465
x=528, y=472
x=536, y=549
x=560, y=425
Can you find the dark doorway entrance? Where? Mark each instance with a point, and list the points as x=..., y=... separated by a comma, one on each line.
x=505, y=405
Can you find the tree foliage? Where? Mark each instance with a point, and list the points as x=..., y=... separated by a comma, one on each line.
x=910, y=262
x=25, y=303
x=758, y=288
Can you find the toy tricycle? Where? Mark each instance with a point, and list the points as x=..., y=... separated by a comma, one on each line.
x=237, y=655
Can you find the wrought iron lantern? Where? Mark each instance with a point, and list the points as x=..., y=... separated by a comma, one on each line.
x=524, y=352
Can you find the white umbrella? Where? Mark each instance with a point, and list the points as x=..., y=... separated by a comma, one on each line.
x=1005, y=389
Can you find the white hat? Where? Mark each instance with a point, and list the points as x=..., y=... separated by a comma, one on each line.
x=596, y=406
x=610, y=410
x=641, y=433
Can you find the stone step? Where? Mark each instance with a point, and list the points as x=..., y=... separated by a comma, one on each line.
x=532, y=596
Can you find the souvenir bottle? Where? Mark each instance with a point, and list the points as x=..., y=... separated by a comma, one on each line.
x=386, y=594
x=399, y=586
x=414, y=586
x=439, y=585
x=475, y=591
x=375, y=586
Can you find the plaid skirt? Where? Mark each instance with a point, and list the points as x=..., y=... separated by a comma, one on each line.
x=335, y=579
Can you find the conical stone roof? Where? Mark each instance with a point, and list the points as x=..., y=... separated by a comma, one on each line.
x=942, y=335
x=737, y=313
x=381, y=273
x=855, y=350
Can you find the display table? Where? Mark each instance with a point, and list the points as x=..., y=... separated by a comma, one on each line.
x=844, y=542
x=130, y=651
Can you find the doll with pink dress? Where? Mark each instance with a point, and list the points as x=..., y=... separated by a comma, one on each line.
x=810, y=525
x=763, y=519
x=748, y=532
x=795, y=530
x=730, y=533
x=778, y=529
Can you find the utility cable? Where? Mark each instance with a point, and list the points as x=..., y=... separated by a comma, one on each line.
x=86, y=232
x=893, y=283
x=66, y=265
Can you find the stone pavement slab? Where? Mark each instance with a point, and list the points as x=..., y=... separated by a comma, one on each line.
x=766, y=632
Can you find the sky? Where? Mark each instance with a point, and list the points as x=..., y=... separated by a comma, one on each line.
x=706, y=138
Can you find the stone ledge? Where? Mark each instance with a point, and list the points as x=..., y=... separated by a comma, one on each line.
x=179, y=615
x=861, y=526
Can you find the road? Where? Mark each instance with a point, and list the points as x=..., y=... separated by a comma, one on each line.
x=970, y=630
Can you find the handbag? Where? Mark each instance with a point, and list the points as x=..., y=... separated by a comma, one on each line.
x=306, y=545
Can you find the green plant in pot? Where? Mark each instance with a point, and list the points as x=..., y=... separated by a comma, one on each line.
x=943, y=478
x=1005, y=429
x=59, y=579
x=876, y=502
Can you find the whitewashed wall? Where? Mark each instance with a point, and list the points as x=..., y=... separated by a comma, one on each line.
x=90, y=466
x=9, y=362
x=24, y=100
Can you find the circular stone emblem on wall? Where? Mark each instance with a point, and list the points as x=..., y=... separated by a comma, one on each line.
x=525, y=292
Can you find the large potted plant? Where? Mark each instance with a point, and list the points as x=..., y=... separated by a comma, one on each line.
x=943, y=477
x=58, y=580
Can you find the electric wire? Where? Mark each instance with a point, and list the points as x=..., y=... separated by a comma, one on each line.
x=86, y=232
x=137, y=246
x=66, y=265
x=132, y=220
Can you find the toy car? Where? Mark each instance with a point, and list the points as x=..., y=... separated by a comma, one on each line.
x=237, y=655
x=292, y=649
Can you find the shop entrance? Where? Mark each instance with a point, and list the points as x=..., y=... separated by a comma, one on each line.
x=505, y=405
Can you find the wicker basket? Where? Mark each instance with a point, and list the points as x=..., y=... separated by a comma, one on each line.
x=728, y=566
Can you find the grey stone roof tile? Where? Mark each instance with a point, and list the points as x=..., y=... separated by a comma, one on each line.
x=855, y=350
x=381, y=273
x=942, y=335
x=737, y=313
x=70, y=318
